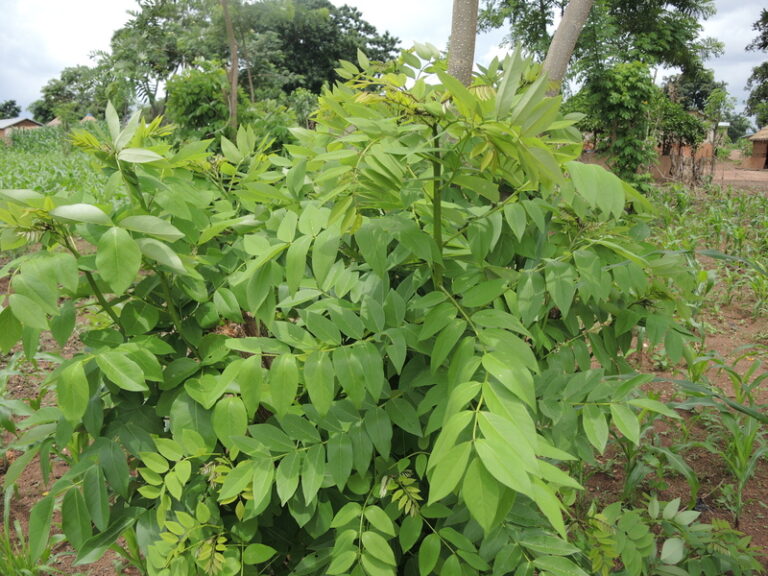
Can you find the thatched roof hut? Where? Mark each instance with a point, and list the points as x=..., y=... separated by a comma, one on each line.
x=759, y=158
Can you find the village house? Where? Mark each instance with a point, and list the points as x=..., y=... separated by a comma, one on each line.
x=759, y=158
x=8, y=125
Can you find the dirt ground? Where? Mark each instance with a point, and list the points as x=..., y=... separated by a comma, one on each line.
x=731, y=331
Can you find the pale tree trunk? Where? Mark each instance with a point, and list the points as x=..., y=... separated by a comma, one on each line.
x=234, y=70
x=564, y=41
x=461, y=46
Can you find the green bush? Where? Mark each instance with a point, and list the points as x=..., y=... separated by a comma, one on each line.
x=376, y=354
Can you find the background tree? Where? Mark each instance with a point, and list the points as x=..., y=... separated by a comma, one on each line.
x=9, y=109
x=461, y=46
x=757, y=101
x=654, y=31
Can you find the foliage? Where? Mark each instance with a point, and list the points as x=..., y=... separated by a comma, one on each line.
x=197, y=100
x=80, y=90
x=43, y=160
x=692, y=87
x=377, y=352
x=629, y=538
x=9, y=109
x=656, y=32
x=618, y=103
x=757, y=101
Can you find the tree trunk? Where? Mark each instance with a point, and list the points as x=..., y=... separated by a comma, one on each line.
x=234, y=70
x=564, y=41
x=461, y=46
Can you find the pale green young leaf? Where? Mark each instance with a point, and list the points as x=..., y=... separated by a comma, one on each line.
x=250, y=378
x=162, y=254
x=547, y=501
x=319, y=380
x=263, y=478
x=626, y=421
x=324, y=253
x=672, y=551
x=229, y=419
x=286, y=231
x=41, y=290
x=72, y=391
x=296, y=262
x=379, y=429
x=484, y=293
x=118, y=259
x=63, y=324
x=558, y=566
x=350, y=512
x=350, y=374
x=514, y=377
x=206, y=389
x=446, y=341
x=75, y=520
x=377, y=546
x=152, y=226
x=482, y=494
x=504, y=465
x=448, y=471
x=96, y=498
x=410, y=531
x=380, y=520
x=341, y=562
x=437, y=319
x=340, y=458
x=85, y=213
x=28, y=312
x=122, y=371
x=236, y=481
x=40, y=527
x=257, y=554
x=287, y=476
x=138, y=155
x=595, y=425
x=231, y=152
x=312, y=472
x=561, y=284
x=547, y=543
x=429, y=552
x=283, y=382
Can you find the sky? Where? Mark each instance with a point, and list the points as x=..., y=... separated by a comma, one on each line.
x=39, y=38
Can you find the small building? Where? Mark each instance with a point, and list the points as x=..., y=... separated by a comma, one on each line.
x=8, y=125
x=759, y=158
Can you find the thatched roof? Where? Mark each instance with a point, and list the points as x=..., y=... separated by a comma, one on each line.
x=760, y=135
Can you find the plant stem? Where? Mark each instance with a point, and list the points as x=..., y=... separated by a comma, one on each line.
x=437, y=212
x=175, y=318
x=106, y=306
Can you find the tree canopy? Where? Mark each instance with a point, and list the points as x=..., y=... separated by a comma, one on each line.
x=655, y=32
x=757, y=102
x=282, y=45
x=9, y=109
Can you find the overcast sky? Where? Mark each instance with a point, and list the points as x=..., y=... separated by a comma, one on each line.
x=38, y=38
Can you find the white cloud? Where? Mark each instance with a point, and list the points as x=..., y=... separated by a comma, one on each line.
x=41, y=37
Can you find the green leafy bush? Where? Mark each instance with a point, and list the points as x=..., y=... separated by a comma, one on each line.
x=377, y=354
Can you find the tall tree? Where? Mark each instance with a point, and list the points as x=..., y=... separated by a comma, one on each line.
x=234, y=68
x=653, y=31
x=757, y=101
x=564, y=41
x=9, y=109
x=461, y=46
